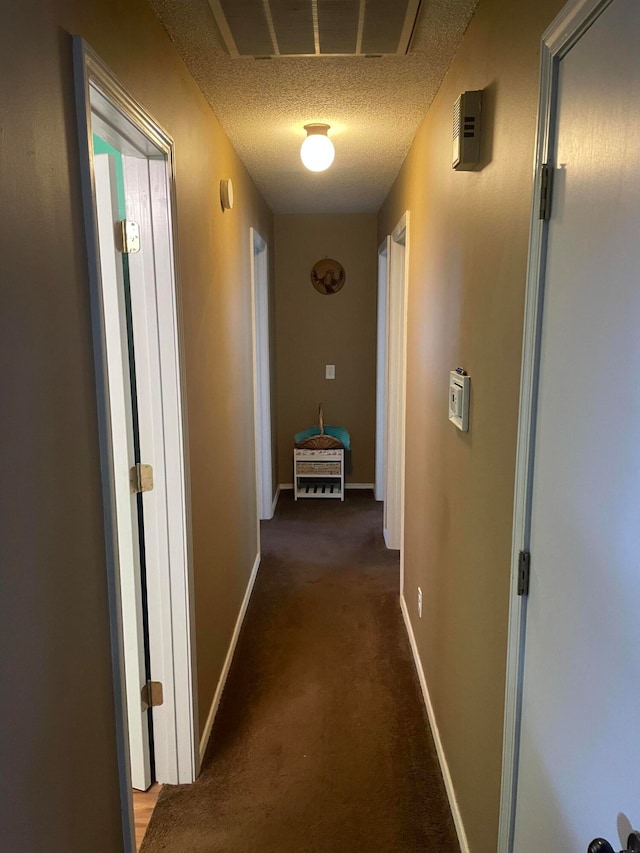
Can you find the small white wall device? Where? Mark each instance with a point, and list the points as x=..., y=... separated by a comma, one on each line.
x=459, y=399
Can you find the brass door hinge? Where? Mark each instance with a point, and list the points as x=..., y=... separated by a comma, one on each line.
x=141, y=478
x=128, y=233
x=151, y=695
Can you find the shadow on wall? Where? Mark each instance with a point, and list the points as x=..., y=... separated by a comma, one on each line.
x=489, y=98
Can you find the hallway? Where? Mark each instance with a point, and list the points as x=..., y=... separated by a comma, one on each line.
x=321, y=741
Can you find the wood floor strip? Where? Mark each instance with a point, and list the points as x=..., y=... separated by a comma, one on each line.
x=144, y=802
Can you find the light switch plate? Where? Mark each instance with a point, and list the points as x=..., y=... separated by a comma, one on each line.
x=329, y=371
x=459, y=400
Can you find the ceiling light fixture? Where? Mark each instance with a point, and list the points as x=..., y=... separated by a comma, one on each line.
x=317, y=151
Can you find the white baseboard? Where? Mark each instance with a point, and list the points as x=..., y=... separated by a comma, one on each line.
x=444, y=767
x=275, y=500
x=284, y=486
x=206, y=734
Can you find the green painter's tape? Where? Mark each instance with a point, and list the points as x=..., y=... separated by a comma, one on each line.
x=102, y=147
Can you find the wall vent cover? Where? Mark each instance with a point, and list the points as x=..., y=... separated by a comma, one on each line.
x=294, y=28
x=466, y=131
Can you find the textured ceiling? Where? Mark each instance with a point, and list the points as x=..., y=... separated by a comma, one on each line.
x=374, y=106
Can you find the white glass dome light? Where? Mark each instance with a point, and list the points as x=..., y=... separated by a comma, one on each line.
x=317, y=151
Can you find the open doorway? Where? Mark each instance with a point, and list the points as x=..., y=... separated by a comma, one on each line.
x=395, y=392
x=261, y=373
x=381, y=366
x=127, y=180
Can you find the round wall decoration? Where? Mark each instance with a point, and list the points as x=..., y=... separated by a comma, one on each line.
x=328, y=276
x=226, y=193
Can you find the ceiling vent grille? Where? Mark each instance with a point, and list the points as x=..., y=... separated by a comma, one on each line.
x=294, y=28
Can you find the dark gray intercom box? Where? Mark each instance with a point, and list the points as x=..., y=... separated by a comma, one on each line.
x=466, y=131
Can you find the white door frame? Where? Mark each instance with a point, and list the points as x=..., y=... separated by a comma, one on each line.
x=123, y=457
x=381, y=364
x=558, y=39
x=100, y=97
x=261, y=373
x=396, y=390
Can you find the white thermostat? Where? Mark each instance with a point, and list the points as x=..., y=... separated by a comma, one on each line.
x=459, y=399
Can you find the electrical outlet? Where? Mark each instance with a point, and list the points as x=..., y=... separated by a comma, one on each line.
x=329, y=371
x=419, y=603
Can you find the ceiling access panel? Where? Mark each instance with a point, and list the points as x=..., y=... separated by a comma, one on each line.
x=293, y=26
x=338, y=26
x=244, y=26
x=385, y=26
x=290, y=28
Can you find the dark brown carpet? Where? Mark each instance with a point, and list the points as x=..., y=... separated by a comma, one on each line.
x=321, y=743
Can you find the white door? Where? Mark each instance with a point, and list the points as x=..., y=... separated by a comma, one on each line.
x=580, y=720
x=123, y=442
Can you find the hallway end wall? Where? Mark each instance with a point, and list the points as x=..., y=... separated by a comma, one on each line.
x=313, y=330
x=467, y=275
x=59, y=781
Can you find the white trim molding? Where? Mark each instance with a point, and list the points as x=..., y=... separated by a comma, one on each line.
x=442, y=758
x=208, y=727
x=276, y=498
x=557, y=40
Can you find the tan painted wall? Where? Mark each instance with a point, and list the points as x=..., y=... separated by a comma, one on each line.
x=469, y=234
x=313, y=330
x=59, y=785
